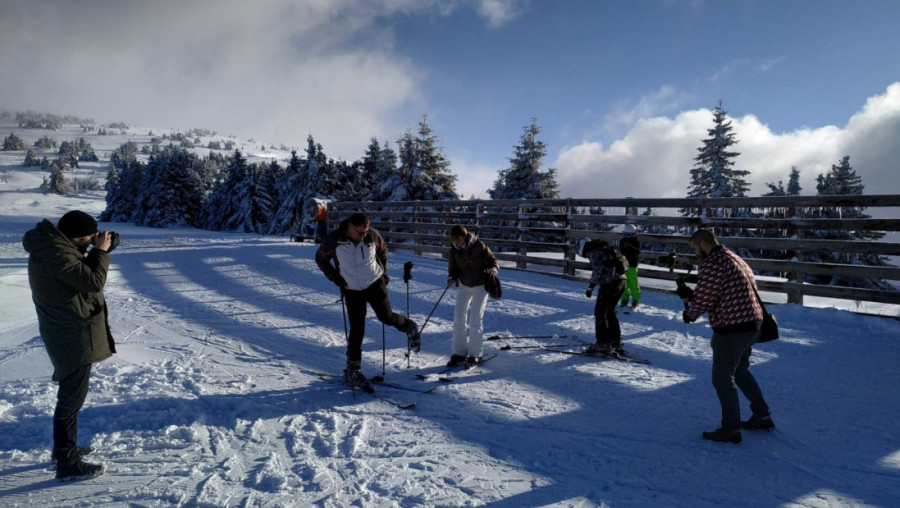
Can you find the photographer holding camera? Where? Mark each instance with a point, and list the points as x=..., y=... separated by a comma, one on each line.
x=726, y=289
x=67, y=284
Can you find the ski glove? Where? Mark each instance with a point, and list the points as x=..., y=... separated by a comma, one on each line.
x=589, y=292
x=686, y=318
x=339, y=281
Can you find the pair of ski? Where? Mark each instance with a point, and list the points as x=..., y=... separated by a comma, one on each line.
x=553, y=348
x=324, y=376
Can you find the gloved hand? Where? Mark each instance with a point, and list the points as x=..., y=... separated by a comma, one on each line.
x=491, y=271
x=450, y=281
x=339, y=281
x=686, y=318
x=386, y=279
x=589, y=292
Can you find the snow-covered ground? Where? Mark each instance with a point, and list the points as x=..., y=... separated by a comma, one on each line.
x=213, y=400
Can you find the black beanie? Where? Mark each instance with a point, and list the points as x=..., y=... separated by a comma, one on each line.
x=76, y=224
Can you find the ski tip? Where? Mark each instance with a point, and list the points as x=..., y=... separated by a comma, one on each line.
x=377, y=379
x=407, y=406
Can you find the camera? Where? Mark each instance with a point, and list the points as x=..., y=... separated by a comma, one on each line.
x=683, y=291
x=113, y=241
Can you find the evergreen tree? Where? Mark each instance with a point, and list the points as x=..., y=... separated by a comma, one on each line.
x=121, y=197
x=523, y=178
x=13, y=143
x=57, y=182
x=423, y=173
x=172, y=195
x=239, y=203
x=793, y=186
x=713, y=174
x=843, y=180
x=291, y=192
x=31, y=158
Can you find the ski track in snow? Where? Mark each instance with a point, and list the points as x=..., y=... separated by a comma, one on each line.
x=212, y=399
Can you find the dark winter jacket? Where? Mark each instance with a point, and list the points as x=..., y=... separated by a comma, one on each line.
x=67, y=290
x=359, y=264
x=726, y=289
x=630, y=247
x=608, y=264
x=467, y=264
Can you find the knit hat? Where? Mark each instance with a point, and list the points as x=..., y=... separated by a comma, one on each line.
x=76, y=224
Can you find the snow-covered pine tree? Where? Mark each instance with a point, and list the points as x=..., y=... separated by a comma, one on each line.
x=172, y=194
x=523, y=178
x=322, y=177
x=13, y=143
x=57, y=182
x=272, y=175
x=381, y=162
x=843, y=180
x=713, y=174
x=291, y=190
x=423, y=173
x=238, y=203
x=31, y=158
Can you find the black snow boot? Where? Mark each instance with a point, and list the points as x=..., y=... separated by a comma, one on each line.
x=354, y=378
x=456, y=360
x=759, y=423
x=78, y=470
x=722, y=435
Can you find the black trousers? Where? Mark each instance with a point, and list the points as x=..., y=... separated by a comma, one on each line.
x=375, y=295
x=70, y=398
x=606, y=323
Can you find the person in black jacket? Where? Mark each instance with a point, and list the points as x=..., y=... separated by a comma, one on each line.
x=630, y=247
x=354, y=258
x=609, y=267
x=67, y=290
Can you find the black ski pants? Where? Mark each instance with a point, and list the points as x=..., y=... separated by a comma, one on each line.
x=606, y=323
x=70, y=398
x=375, y=295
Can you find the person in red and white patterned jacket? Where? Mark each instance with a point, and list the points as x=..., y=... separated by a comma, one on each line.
x=726, y=289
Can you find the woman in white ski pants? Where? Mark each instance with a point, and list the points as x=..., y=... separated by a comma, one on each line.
x=470, y=263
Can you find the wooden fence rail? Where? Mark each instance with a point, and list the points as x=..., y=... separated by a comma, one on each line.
x=770, y=232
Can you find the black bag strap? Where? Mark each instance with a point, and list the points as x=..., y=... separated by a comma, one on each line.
x=758, y=299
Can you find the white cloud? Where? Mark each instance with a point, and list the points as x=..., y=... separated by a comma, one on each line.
x=654, y=158
x=498, y=12
x=276, y=71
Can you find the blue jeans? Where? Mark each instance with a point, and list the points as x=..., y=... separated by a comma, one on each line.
x=730, y=371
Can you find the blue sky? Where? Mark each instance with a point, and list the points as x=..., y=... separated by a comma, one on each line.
x=623, y=90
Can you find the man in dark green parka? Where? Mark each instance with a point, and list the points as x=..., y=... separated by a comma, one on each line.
x=67, y=290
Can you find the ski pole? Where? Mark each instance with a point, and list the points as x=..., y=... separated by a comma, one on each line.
x=407, y=276
x=435, y=308
x=541, y=346
x=513, y=337
x=346, y=334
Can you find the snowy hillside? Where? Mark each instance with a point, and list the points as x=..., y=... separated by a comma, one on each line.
x=213, y=398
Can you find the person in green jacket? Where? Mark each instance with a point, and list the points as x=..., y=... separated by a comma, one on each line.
x=67, y=284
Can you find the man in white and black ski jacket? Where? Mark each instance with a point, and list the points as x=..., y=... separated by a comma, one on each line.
x=354, y=258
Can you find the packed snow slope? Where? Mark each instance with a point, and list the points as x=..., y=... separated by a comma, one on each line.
x=213, y=397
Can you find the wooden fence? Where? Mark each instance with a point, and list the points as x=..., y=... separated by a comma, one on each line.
x=540, y=235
